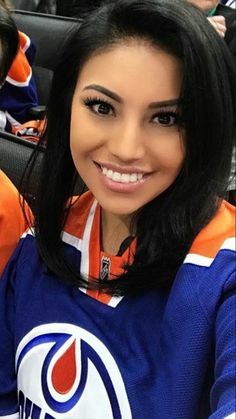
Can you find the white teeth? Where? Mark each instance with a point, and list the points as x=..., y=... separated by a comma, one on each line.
x=125, y=178
x=133, y=177
x=121, y=177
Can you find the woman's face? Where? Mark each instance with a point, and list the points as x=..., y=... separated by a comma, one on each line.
x=125, y=135
x=205, y=5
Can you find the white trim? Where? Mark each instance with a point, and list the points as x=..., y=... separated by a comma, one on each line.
x=29, y=231
x=20, y=83
x=229, y=244
x=13, y=121
x=114, y=301
x=232, y=416
x=199, y=260
x=27, y=44
x=71, y=240
x=82, y=244
x=13, y=416
x=3, y=120
x=86, y=241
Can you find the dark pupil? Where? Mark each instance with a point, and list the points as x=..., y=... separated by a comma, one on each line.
x=103, y=108
x=165, y=119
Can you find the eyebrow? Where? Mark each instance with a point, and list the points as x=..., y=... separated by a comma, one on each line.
x=117, y=98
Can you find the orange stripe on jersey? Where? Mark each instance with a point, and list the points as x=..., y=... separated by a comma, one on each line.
x=221, y=227
x=20, y=71
x=75, y=224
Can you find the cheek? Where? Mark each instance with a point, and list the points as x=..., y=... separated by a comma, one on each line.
x=86, y=133
x=169, y=154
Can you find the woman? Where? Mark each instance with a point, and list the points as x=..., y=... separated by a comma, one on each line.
x=121, y=303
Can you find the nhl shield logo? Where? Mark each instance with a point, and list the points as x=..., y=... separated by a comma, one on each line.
x=105, y=268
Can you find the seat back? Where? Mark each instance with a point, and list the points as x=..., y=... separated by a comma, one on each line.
x=14, y=155
x=48, y=33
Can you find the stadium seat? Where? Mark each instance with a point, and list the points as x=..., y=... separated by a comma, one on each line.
x=48, y=33
x=14, y=155
x=15, y=152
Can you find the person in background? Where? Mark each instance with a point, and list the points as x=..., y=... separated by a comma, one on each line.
x=222, y=17
x=18, y=94
x=121, y=302
x=12, y=221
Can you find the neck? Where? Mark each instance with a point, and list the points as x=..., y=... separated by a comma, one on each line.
x=114, y=229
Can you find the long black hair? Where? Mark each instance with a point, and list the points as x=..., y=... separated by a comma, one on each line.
x=9, y=41
x=167, y=226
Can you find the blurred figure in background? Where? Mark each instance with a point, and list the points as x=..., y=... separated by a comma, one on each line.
x=221, y=17
x=12, y=223
x=18, y=93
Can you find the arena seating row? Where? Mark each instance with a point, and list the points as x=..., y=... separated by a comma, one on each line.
x=48, y=33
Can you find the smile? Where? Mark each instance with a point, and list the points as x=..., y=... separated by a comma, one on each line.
x=121, y=177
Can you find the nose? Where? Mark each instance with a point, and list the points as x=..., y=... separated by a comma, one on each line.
x=127, y=142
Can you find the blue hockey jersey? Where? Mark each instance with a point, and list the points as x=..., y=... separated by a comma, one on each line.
x=69, y=353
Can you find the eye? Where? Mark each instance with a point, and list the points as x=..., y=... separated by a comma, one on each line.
x=166, y=119
x=99, y=106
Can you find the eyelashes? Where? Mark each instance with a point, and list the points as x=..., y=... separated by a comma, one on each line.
x=167, y=117
x=99, y=106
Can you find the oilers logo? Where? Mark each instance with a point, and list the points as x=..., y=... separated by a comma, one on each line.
x=63, y=371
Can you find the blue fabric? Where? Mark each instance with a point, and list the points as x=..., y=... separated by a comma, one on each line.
x=149, y=356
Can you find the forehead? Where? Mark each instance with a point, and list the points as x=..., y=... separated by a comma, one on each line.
x=134, y=68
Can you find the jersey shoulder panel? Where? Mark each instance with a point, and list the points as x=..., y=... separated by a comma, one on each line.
x=218, y=234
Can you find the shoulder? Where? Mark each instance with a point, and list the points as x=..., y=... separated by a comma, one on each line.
x=12, y=223
x=9, y=198
x=219, y=234
x=209, y=267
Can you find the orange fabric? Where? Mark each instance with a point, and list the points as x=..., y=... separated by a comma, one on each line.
x=221, y=227
x=20, y=73
x=12, y=223
x=75, y=226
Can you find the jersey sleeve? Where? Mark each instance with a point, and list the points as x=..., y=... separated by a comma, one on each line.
x=223, y=394
x=12, y=222
x=8, y=382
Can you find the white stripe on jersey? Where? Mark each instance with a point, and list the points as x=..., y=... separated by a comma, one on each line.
x=232, y=416
x=196, y=259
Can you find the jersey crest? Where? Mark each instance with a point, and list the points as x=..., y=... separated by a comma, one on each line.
x=65, y=372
